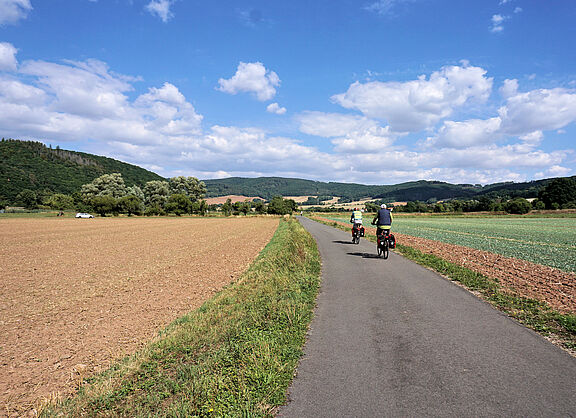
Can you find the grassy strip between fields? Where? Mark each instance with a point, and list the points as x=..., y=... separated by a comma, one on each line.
x=537, y=315
x=234, y=356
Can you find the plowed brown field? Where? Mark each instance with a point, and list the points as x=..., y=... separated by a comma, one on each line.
x=77, y=293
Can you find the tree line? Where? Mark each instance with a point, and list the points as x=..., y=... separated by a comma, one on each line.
x=109, y=195
x=559, y=193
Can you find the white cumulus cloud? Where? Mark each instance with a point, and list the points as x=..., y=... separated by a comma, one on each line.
x=276, y=109
x=419, y=104
x=251, y=77
x=509, y=88
x=77, y=100
x=161, y=8
x=538, y=110
x=467, y=134
x=11, y=11
x=332, y=124
x=350, y=133
x=8, y=60
x=497, y=23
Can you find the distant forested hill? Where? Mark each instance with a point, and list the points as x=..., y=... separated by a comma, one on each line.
x=32, y=165
x=268, y=187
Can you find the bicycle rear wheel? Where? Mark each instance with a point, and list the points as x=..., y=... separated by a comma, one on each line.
x=385, y=249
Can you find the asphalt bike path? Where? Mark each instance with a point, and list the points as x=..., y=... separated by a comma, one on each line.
x=391, y=338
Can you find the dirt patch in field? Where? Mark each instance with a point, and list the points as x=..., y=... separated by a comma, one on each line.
x=535, y=281
x=75, y=294
x=233, y=198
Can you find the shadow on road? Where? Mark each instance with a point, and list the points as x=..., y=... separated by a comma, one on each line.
x=343, y=242
x=364, y=255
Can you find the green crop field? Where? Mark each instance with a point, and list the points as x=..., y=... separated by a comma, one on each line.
x=547, y=241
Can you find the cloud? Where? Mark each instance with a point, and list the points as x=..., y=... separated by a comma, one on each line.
x=467, y=134
x=275, y=108
x=253, y=78
x=538, y=110
x=554, y=171
x=419, y=104
x=77, y=100
x=509, y=88
x=350, y=133
x=8, y=60
x=239, y=150
x=385, y=7
x=497, y=23
x=85, y=88
x=332, y=124
x=371, y=140
x=159, y=128
x=252, y=18
x=11, y=11
x=161, y=8
x=524, y=115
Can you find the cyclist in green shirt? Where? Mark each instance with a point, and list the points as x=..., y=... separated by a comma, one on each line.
x=356, y=221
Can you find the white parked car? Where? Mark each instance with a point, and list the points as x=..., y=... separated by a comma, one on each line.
x=84, y=215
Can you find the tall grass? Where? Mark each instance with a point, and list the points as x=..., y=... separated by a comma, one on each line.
x=235, y=356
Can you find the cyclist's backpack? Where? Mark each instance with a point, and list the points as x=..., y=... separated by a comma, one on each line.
x=392, y=241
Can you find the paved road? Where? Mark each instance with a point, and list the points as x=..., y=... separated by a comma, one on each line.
x=391, y=338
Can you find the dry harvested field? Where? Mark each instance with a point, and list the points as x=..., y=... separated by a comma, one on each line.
x=77, y=293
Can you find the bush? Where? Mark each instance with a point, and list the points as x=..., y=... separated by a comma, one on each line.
x=103, y=205
x=518, y=206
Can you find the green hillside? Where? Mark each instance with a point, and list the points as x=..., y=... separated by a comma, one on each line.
x=267, y=187
x=34, y=166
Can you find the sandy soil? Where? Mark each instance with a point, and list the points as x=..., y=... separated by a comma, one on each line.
x=77, y=293
x=556, y=287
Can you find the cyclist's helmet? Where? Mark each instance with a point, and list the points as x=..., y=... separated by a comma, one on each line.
x=383, y=206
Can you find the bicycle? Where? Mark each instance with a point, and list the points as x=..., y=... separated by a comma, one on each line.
x=384, y=241
x=357, y=232
x=382, y=246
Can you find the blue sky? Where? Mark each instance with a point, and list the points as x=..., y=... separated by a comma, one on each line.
x=368, y=91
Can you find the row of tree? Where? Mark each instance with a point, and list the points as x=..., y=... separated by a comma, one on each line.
x=108, y=194
x=560, y=193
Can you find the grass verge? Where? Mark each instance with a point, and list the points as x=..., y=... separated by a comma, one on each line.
x=537, y=315
x=234, y=356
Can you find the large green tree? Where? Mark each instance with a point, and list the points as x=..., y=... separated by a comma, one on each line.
x=105, y=185
x=27, y=198
x=131, y=205
x=178, y=204
x=60, y=201
x=518, y=206
x=559, y=193
x=156, y=193
x=280, y=206
x=188, y=186
x=104, y=204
